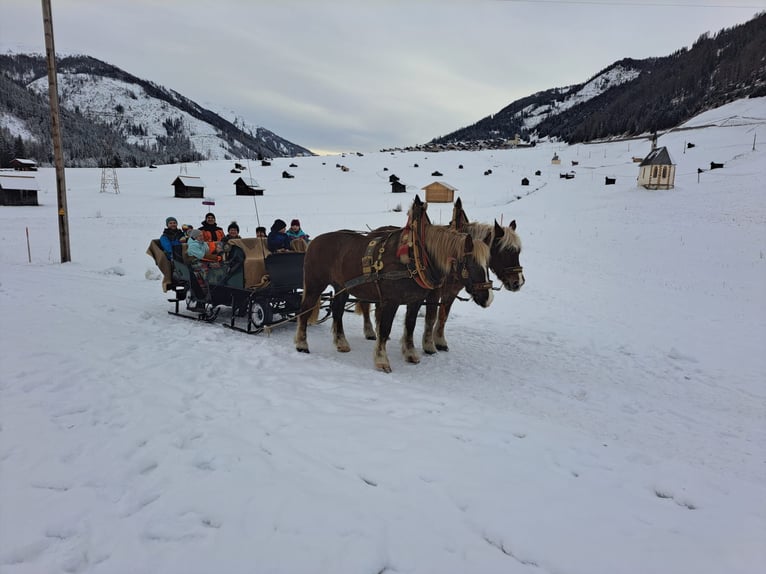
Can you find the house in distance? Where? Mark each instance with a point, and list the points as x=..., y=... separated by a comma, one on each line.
x=657, y=171
x=439, y=192
x=188, y=186
x=18, y=190
x=247, y=186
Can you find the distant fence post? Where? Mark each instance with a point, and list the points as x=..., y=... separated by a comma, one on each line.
x=29, y=251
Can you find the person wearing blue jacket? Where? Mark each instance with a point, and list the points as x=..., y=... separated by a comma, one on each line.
x=198, y=248
x=171, y=237
x=295, y=231
x=278, y=239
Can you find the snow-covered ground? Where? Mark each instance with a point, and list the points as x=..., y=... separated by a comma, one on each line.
x=609, y=418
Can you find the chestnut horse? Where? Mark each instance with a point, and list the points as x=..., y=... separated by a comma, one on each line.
x=505, y=248
x=338, y=258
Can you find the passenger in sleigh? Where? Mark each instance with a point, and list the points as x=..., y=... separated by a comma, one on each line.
x=172, y=238
x=278, y=239
x=211, y=233
x=295, y=231
x=199, y=249
x=232, y=254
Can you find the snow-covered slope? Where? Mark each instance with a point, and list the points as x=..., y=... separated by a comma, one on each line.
x=609, y=418
x=532, y=115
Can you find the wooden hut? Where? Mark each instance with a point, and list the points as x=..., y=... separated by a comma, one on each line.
x=657, y=171
x=555, y=160
x=18, y=190
x=20, y=164
x=397, y=186
x=439, y=192
x=247, y=187
x=188, y=186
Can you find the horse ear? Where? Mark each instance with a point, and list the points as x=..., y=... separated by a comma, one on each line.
x=417, y=200
x=458, y=204
x=488, y=238
x=468, y=243
x=499, y=231
x=513, y=225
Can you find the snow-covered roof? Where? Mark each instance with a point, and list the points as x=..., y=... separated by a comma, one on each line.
x=22, y=161
x=25, y=182
x=248, y=181
x=189, y=181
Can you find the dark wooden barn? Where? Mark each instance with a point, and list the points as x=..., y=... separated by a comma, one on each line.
x=397, y=186
x=18, y=190
x=247, y=187
x=188, y=186
x=20, y=164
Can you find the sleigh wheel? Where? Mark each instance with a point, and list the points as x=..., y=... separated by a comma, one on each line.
x=260, y=313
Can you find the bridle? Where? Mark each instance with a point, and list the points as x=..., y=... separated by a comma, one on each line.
x=462, y=272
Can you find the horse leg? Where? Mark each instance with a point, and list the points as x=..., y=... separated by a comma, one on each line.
x=338, y=335
x=384, y=313
x=432, y=305
x=364, y=309
x=308, y=307
x=408, y=348
x=439, y=340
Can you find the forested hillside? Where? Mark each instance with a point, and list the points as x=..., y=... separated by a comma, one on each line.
x=664, y=92
x=111, y=117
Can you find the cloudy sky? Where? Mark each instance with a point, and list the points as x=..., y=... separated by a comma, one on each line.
x=366, y=74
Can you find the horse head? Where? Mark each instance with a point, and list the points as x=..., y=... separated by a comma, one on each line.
x=473, y=271
x=504, y=256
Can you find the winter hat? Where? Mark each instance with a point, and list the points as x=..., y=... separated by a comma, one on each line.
x=169, y=219
x=233, y=225
x=195, y=233
x=295, y=222
x=278, y=225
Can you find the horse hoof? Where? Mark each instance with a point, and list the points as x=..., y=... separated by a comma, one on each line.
x=302, y=350
x=442, y=347
x=413, y=360
x=384, y=368
x=371, y=337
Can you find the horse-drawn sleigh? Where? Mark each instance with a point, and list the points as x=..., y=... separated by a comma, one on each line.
x=260, y=292
x=419, y=263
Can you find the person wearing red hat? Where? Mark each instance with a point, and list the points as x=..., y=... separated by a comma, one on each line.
x=295, y=231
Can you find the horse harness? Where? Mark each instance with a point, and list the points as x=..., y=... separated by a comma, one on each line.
x=418, y=268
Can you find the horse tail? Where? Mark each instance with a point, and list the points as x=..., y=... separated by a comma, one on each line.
x=358, y=308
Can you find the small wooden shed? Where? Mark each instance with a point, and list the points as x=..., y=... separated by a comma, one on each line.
x=439, y=192
x=657, y=171
x=188, y=186
x=555, y=160
x=20, y=164
x=247, y=187
x=18, y=190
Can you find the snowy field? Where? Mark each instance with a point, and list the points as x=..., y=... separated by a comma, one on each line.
x=610, y=418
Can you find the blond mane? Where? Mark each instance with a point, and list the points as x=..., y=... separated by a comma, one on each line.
x=510, y=241
x=444, y=245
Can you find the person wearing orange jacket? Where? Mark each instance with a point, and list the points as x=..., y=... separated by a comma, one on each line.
x=211, y=233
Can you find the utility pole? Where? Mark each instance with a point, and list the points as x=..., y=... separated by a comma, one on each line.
x=58, y=152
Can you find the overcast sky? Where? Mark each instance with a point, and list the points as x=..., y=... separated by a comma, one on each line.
x=367, y=74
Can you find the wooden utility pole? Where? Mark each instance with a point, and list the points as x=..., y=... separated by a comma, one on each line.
x=58, y=152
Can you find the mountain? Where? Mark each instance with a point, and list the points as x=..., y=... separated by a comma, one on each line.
x=632, y=97
x=111, y=117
